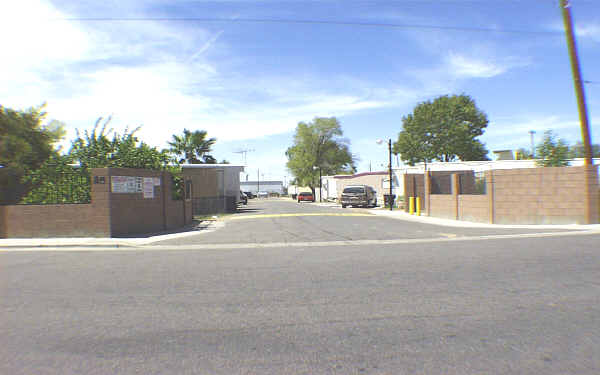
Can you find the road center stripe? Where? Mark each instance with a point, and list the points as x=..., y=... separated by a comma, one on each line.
x=267, y=216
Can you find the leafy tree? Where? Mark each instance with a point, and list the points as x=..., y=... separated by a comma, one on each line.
x=59, y=181
x=552, y=152
x=444, y=129
x=319, y=144
x=523, y=154
x=25, y=144
x=193, y=147
x=96, y=150
x=577, y=151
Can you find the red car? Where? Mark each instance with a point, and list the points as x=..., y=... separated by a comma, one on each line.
x=306, y=196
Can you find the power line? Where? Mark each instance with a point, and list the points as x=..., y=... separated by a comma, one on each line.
x=307, y=22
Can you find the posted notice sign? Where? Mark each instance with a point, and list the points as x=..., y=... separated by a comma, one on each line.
x=149, y=187
x=126, y=184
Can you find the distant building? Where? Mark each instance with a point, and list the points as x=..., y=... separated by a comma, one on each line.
x=504, y=155
x=215, y=187
x=267, y=186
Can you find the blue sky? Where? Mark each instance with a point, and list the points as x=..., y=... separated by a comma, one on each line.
x=249, y=71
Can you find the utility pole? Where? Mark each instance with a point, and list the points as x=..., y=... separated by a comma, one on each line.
x=257, y=181
x=565, y=6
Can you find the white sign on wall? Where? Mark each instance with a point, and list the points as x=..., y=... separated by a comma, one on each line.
x=126, y=184
x=148, y=187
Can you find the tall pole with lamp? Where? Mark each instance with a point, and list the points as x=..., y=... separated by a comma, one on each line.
x=391, y=197
x=320, y=183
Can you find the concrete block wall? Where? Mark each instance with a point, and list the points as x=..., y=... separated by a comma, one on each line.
x=442, y=205
x=414, y=186
x=132, y=213
x=56, y=220
x=473, y=207
x=545, y=195
x=178, y=213
x=108, y=215
x=568, y=195
x=60, y=220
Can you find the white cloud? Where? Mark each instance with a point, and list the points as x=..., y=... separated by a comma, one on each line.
x=513, y=132
x=591, y=31
x=583, y=30
x=166, y=79
x=462, y=66
x=155, y=75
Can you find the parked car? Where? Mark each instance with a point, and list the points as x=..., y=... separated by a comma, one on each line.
x=359, y=195
x=306, y=196
x=250, y=195
x=262, y=194
x=243, y=198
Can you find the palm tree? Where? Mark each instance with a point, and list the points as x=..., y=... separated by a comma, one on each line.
x=193, y=147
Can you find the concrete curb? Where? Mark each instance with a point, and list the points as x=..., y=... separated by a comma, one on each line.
x=399, y=214
x=11, y=243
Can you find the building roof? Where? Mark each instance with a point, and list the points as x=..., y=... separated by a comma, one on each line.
x=261, y=182
x=212, y=166
x=342, y=176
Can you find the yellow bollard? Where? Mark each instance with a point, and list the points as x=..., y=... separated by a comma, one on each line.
x=411, y=205
x=418, y=206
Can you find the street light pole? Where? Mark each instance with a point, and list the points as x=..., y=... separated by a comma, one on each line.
x=380, y=141
x=320, y=187
x=320, y=184
x=390, y=167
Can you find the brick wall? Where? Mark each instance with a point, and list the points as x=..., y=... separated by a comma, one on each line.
x=439, y=183
x=473, y=208
x=56, y=220
x=545, y=195
x=414, y=186
x=131, y=212
x=108, y=214
x=522, y=196
x=442, y=205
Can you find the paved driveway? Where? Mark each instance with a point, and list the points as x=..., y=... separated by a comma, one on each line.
x=285, y=221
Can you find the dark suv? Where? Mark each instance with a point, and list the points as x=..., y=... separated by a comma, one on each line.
x=359, y=195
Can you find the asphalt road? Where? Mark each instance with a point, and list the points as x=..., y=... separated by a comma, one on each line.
x=267, y=221
x=455, y=306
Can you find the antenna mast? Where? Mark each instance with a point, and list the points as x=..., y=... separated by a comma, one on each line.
x=244, y=153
